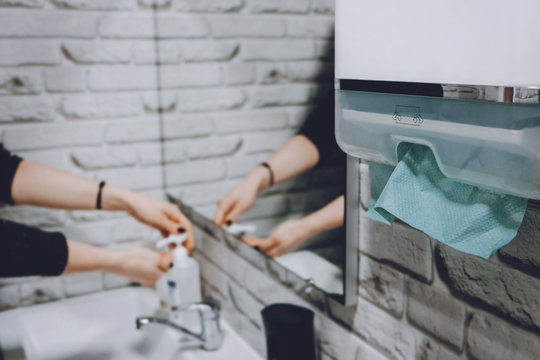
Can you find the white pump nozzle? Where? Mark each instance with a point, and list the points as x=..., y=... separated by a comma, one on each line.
x=175, y=239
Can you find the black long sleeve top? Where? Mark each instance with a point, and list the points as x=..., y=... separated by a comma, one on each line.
x=319, y=128
x=25, y=250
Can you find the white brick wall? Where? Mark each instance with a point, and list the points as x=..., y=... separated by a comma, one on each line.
x=80, y=90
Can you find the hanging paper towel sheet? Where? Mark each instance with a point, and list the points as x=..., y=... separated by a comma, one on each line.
x=465, y=217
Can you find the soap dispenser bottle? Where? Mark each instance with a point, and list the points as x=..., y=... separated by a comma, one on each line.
x=184, y=287
x=183, y=283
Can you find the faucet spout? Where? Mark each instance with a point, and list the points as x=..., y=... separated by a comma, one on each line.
x=142, y=321
x=211, y=335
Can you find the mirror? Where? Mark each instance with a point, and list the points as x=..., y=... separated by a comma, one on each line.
x=223, y=113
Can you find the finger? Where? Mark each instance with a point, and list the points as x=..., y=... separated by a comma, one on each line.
x=271, y=243
x=263, y=244
x=165, y=260
x=173, y=213
x=252, y=241
x=234, y=213
x=276, y=251
x=169, y=226
x=150, y=278
x=189, y=244
x=155, y=276
x=223, y=207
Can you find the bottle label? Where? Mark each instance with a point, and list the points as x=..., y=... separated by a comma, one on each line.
x=174, y=293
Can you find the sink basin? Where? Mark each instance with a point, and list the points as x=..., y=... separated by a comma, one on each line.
x=102, y=326
x=315, y=268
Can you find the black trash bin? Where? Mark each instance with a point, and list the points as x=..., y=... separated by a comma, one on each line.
x=289, y=332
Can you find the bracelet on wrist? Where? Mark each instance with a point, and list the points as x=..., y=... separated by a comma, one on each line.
x=100, y=191
x=267, y=166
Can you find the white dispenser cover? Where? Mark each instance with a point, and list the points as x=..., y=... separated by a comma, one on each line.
x=478, y=42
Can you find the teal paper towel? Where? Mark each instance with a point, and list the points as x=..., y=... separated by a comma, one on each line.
x=470, y=219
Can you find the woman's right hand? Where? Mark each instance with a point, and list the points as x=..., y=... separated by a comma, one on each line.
x=142, y=265
x=240, y=198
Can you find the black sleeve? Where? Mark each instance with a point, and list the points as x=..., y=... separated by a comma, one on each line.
x=319, y=126
x=26, y=251
x=9, y=164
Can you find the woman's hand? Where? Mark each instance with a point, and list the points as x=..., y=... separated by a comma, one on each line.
x=139, y=264
x=241, y=197
x=292, y=233
x=285, y=238
x=142, y=265
x=163, y=216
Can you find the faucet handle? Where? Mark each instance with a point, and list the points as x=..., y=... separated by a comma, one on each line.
x=208, y=309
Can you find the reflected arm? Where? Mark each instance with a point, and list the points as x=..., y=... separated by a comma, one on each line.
x=328, y=217
x=296, y=156
x=292, y=233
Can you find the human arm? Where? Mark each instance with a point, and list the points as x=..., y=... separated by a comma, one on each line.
x=39, y=185
x=27, y=251
x=139, y=264
x=297, y=155
x=292, y=233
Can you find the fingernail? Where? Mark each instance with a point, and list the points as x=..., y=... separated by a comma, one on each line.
x=257, y=248
x=170, y=266
x=171, y=246
x=229, y=222
x=181, y=230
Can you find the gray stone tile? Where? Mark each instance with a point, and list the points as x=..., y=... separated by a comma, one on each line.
x=381, y=285
x=506, y=291
x=398, y=244
x=493, y=339
x=436, y=312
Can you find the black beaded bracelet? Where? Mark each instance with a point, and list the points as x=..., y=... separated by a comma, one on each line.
x=98, y=200
x=266, y=165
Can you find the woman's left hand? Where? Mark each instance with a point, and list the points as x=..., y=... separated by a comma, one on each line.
x=163, y=216
x=284, y=239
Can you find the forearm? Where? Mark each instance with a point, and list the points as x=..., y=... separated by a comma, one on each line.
x=296, y=156
x=328, y=217
x=83, y=257
x=139, y=264
x=36, y=184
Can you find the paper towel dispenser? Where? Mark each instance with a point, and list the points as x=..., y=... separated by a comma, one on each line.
x=483, y=124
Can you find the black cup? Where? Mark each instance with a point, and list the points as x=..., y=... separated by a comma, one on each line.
x=289, y=332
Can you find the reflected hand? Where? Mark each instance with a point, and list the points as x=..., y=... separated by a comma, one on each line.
x=161, y=215
x=142, y=265
x=240, y=198
x=284, y=239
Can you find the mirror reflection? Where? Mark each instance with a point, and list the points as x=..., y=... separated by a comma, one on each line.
x=274, y=174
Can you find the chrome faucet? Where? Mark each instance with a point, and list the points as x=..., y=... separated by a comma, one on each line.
x=210, y=337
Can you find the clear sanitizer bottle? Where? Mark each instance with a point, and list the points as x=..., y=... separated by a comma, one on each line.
x=181, y=284
x=183, y=288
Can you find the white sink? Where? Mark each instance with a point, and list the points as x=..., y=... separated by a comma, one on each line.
x=102, y=326
x=312, y=267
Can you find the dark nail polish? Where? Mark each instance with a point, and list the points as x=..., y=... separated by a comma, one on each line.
x=170, y=266
x=181, y=230
x=229, y=222
x=257, y=248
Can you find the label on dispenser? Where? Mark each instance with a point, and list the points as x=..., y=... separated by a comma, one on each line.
x=174, y=294
x=407, y=115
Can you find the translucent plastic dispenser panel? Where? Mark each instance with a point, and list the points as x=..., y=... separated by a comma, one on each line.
x=484, y=125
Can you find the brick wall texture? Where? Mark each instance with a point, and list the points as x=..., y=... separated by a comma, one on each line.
x=192, y=95
x=185, y=94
